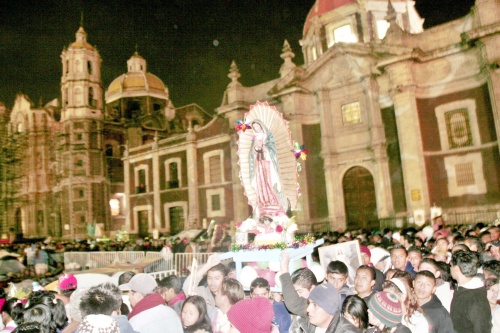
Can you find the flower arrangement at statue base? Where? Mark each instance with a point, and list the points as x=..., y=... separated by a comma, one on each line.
x=268, y=231
x=297, y=242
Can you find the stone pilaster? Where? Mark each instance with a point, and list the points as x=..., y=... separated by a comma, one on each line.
x=410, y=137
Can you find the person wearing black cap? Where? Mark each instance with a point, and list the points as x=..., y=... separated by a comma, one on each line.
x=323, y=312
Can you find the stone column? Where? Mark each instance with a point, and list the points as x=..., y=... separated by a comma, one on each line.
x=382, y=176
x=192, y=180
x=336, y=209
x=126, y=182
x=240, y=201
x=156, y=188
x=290, y=108
x=410, y=137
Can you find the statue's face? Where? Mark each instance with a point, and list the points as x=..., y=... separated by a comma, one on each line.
x=257, y=128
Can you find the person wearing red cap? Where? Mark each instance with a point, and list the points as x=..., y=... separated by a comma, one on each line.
x=365, y=255
x=66, y=285
x=254, y=315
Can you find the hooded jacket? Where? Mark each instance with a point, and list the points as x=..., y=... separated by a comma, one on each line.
x=439, y=319
x=151, y=315
x=470, y=310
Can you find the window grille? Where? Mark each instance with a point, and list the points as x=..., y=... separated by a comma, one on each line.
x=458, y=128
x=351, y=113
x=464, y=174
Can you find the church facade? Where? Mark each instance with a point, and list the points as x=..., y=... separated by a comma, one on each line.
x=395, y=120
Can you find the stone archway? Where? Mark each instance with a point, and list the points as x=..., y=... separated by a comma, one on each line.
x=359, y=199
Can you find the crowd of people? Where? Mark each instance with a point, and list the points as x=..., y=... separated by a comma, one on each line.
x=414, y=280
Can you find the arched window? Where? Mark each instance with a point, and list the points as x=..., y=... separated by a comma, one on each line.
x=89, y=67
x=109, y=150
x=91, y=96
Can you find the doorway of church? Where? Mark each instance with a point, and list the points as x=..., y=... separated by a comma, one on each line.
x=359, y=198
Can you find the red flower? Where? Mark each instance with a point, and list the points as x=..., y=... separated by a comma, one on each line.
x=279, y=228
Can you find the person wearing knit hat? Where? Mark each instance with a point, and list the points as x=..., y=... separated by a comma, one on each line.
x=365, y=255
x=385, y=313
x=252, y=315
x=323, y=312
x=98, y=324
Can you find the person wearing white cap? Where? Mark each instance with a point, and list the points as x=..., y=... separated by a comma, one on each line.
x=149, y=312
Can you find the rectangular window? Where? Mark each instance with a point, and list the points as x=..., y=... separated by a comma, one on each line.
x=458, y=128
x=216, y=205
x=382, y=26
x=141, y=181
x=174, y=175
x=464, y=174
x=351, y=113
x=176, y=216
x=215, y=169
x=215, y=202
x=344, y=34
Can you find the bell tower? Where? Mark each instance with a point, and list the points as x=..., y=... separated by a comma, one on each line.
x=82, y=187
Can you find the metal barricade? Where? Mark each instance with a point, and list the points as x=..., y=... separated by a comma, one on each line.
x=74, y=261
x=89, y=260
x=162, y=274
x=183, y=261
x=161, y=264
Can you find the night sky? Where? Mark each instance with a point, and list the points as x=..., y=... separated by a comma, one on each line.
x=189, y=44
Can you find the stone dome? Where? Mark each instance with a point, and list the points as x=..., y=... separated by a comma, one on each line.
x=136, y=82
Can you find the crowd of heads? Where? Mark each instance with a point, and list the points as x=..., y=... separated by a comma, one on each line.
x=400, y=271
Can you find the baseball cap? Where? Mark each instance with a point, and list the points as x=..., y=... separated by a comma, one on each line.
x=67, y=282
x=141, y=283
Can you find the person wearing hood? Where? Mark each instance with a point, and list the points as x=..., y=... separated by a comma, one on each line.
x=470, y=310
x=437, y=316
x=381, y=259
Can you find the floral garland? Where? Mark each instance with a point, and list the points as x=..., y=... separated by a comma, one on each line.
x=299, y=241
x=279, y=224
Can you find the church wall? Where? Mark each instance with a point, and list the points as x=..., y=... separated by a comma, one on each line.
x=164, y=185
x=222, y=189
x=429, y=123
x=483, y=150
